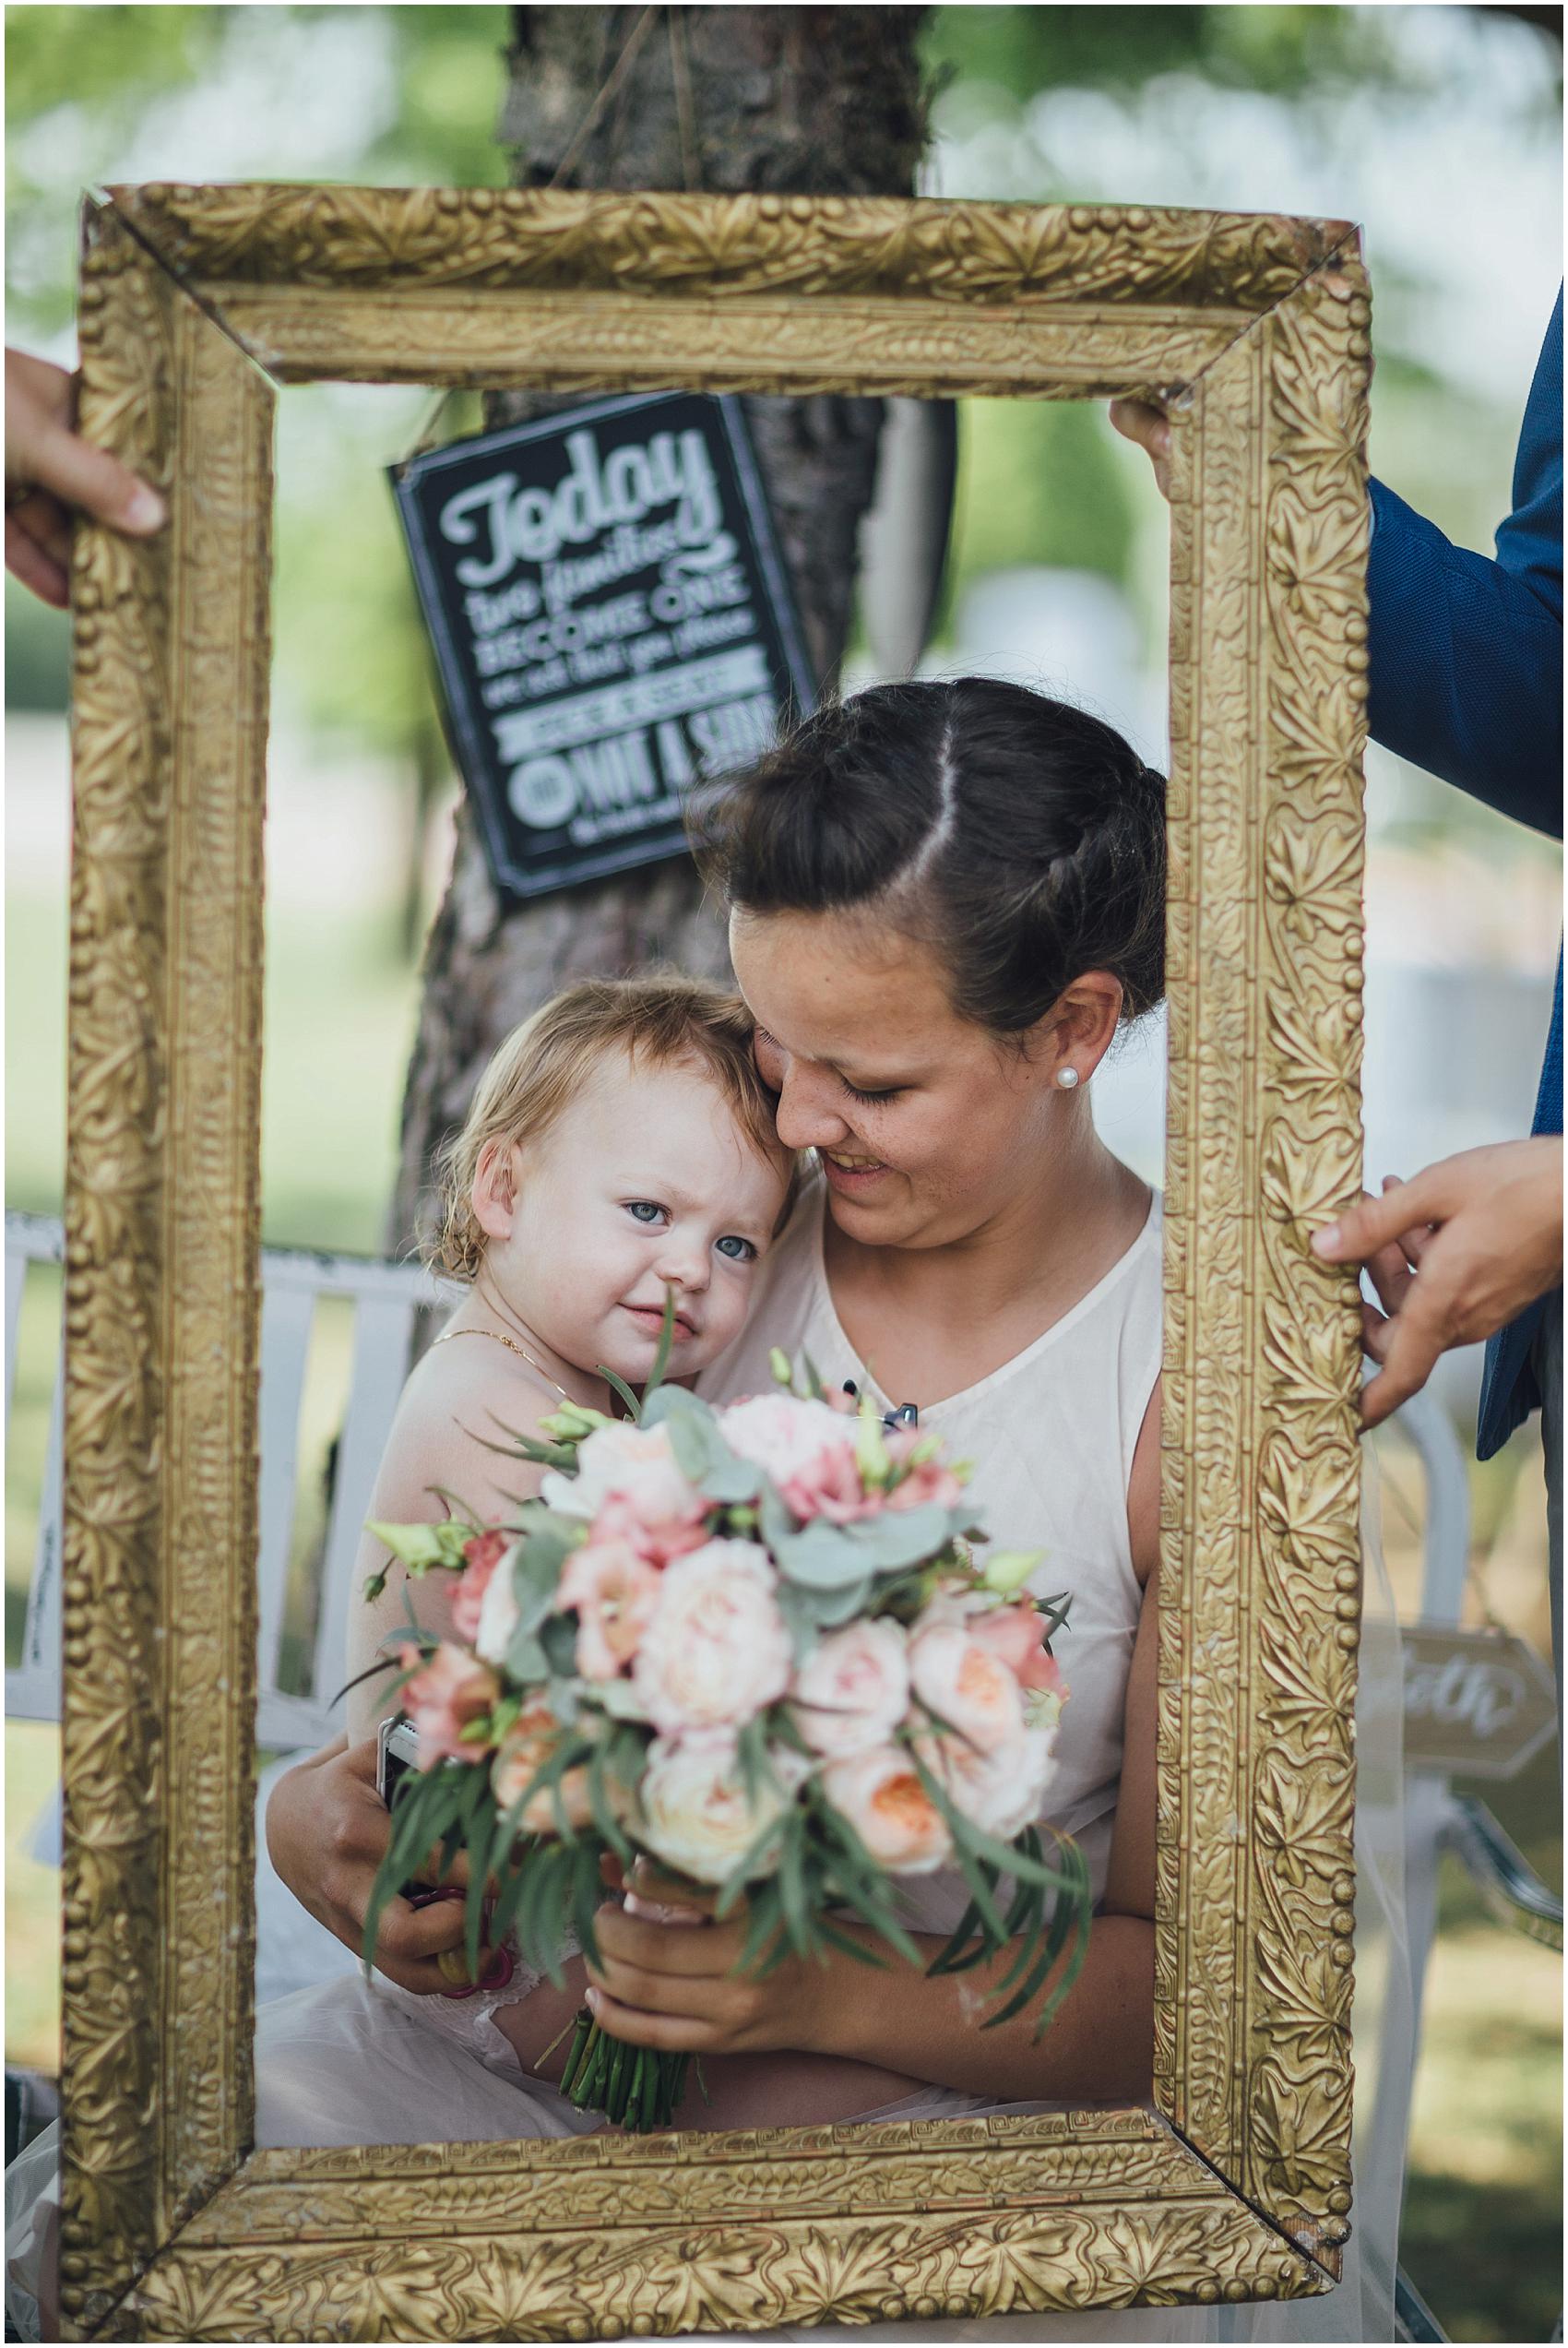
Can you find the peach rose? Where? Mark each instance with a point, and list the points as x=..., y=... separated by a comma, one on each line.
x=692, y=1808
x=481, y=1556
x=1018, y=1635
x=807, y=1451
x=448, y=1691
x=716, y=1650
x=1000, y=1792
x=880, y=1794
x=969, y=1687
x=613, y=1591
x=526, y=1749
x=854, y=1689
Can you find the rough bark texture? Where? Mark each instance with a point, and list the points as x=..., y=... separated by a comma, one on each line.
x=800, y=101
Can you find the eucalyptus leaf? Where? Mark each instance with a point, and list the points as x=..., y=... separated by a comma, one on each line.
x=526, y=1658
x=674, y=1402
x=824, y=1557
x=833, y=1607
x=800, y=1620
x=901, y=1537
x=557, y=1635
x=701, y=1453
x=536, y=1564
x=729, y=1478
x=621, y=1700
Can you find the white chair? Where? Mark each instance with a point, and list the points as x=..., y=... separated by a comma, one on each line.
x=292, y=1951
x=384, y=1298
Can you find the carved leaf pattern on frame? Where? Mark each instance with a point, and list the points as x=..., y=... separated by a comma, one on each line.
x=160, y=1485
x=735, y=2279
x=1308, y=1466
x=620, y=341
x=1254, y=1674
x=214, y=1225
x=113, y=2214
x=1086, y=2157
x=1207, y=1409
x=720, y=244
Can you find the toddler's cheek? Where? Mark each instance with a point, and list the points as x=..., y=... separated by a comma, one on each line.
x=723, y=1321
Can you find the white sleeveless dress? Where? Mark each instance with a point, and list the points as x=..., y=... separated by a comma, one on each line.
x=1051, y=1436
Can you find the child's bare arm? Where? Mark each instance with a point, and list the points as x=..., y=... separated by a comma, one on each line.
x=438, y=1460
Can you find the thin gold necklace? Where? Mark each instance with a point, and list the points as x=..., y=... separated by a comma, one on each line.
x=512, y=1347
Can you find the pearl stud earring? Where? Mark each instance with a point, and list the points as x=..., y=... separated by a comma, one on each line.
x=1066, y=1079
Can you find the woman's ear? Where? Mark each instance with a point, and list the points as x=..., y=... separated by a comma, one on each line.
x=1077, y=1030
x=493, y=1194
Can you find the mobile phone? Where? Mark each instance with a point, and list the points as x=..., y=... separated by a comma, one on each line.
x=396, y=1752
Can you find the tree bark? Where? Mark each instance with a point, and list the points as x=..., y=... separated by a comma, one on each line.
x=824, y=100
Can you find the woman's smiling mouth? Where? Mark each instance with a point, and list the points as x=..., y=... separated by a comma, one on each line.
x=847, y=1174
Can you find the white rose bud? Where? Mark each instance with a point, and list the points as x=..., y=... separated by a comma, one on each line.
x=693, y=1811
x=716, y=1650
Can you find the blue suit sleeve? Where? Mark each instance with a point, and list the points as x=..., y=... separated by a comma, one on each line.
x=1466, y=675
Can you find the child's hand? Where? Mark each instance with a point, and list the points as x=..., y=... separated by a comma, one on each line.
x=671, y=1986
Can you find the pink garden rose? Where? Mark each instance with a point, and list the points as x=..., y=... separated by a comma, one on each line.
x=969, y=1687
x=482, y=1556
x=1018, y=1635
x=1000, y=1792
x=808, y=1452
x=854, y=1689
x=629, y=1484
x=612, y=1591
x=692, y=1808
x=929, y=1485
x=447, y=1692
x=658, y=1541
x=716, y=1650
x=880, y=1794
x=526, y=1749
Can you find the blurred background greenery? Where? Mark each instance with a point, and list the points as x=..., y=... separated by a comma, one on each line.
x=1437, y=127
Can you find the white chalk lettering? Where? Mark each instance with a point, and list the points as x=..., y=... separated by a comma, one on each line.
x=595, y=496
x=736, y=730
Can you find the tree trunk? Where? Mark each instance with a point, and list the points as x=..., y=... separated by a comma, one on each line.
x=799, y=100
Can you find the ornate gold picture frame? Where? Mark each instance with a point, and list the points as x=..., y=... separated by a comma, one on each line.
x=1254, y=332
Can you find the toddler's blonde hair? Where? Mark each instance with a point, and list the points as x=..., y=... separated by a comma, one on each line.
x=662, y=1021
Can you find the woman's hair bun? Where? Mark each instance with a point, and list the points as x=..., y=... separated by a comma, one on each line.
x=1023, y=838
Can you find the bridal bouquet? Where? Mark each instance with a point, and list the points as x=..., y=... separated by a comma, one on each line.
x=752, y=1644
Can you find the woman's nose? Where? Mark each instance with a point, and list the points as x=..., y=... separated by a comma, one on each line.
x=806, y=1117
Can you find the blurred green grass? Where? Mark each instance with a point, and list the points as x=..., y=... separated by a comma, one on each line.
x=1483, y=2230
x=341, y=1005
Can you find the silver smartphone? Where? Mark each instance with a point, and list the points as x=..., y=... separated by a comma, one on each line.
x=396, y=1752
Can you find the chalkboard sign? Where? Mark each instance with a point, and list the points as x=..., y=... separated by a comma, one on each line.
x=611, y=623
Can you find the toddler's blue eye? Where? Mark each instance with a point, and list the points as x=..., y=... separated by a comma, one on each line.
x=644, y=1211
x=740, y=1251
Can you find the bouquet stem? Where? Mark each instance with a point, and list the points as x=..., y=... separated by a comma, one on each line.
x=636, y=2087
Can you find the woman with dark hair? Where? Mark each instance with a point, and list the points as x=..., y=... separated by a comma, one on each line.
x=945, y=900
